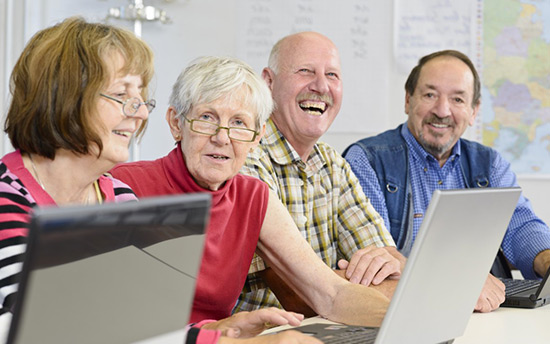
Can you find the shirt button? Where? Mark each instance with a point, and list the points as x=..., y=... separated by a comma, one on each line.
x=440, y=182
x=425, y=169
x=301, y=220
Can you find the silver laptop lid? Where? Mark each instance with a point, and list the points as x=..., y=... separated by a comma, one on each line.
x=112, y=273
x=544, y=288
x=448, y=265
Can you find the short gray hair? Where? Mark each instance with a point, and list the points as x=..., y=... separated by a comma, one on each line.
x=207, y=79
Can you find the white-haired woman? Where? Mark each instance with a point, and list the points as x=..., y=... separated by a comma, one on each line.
x=217, y=114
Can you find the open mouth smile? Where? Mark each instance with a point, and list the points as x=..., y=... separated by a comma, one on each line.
x=122, y=133
x=218, y=157
x=439, y=126
x=313, y=107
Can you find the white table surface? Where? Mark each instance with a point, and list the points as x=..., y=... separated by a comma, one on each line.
x=503, y=326
x=509, y=325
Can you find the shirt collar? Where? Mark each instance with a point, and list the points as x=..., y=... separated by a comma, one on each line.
x=278, y=147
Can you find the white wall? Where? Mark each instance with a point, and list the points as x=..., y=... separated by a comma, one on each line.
x=11, y=44
x=199, y=27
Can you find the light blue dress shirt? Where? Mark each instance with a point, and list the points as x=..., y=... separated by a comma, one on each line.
x=527, y=235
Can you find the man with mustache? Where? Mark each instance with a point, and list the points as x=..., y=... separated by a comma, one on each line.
x=400, y=168
x=312, y=179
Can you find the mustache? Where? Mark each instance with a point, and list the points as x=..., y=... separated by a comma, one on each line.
x=326, y=98
x=433, y=119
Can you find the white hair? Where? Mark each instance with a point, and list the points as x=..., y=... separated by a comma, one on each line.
x=210, y=78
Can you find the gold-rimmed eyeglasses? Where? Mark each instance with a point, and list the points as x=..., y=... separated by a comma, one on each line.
x=131, y=106
x=211, y=129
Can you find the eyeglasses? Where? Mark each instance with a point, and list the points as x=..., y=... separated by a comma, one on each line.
x=211, y=129
x=131, y=106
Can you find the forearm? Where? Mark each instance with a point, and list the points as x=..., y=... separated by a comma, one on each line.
x=356, y=304
x=286, y=251
x=387, y=288
x=341, y=301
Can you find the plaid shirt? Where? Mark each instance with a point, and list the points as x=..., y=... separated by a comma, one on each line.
x=324, y=198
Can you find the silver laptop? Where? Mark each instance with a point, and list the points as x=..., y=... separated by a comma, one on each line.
x=445, y=272
x=112, y=273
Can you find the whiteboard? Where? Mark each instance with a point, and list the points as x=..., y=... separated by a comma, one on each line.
x=354, y=26
x=379, y=42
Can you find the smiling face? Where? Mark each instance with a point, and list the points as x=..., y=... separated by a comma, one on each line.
x=212, y=160
x=307, y=88
x=116, y=130
x=440, y=110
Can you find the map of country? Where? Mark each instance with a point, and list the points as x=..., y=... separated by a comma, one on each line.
x=516, y=82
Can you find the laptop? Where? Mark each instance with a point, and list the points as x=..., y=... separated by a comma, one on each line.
x=445, y=272
x=112, y=273
x=527, y=293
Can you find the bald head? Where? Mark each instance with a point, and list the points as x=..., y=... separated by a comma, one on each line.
x=292, y=43
x=305, y=81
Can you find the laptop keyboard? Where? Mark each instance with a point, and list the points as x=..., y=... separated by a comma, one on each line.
x=514, y=286
x=352, y=336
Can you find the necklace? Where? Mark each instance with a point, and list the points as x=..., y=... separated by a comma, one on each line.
x=36, y=173
x=96, y=186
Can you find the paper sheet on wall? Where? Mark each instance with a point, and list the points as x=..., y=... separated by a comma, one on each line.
x=424, y=26
x=359, y=28
x=365, y=36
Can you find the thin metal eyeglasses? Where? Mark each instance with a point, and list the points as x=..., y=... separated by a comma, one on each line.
x=131, y=106
x=211, y=129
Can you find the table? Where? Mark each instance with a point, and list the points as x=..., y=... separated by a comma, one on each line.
x=508, y=325
x=505, y=325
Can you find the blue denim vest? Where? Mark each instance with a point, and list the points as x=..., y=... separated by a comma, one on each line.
x=388, y=155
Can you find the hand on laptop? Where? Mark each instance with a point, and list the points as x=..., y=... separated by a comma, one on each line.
x=249, y=324
x=371, y=265
x=491, y=296
x=542, y=263
x=285, y=337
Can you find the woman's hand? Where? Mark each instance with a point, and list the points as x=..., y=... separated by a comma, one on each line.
x=250, y=324
x=285, y=337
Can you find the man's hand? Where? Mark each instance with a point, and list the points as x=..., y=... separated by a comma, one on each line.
x=491, y=296
x=542, y=262
x=371, y=265
x=250, y=324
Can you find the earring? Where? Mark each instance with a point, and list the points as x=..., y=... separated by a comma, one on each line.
x=177, y=138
